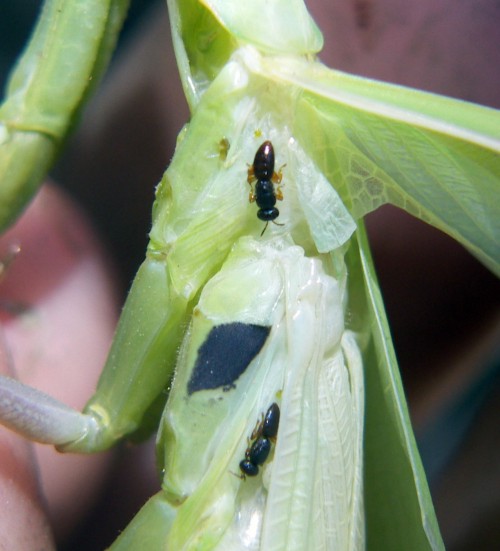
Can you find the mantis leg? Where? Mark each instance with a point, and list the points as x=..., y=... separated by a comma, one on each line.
x=120, y=403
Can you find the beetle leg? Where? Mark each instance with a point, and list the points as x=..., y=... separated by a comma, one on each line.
x=257, y=431
x=250, y=175
x=278, y=176
x=251, y=180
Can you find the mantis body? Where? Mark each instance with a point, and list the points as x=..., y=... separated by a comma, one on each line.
x=207, y=268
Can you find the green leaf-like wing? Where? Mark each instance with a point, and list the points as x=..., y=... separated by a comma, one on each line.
x=435, y=157
x=399, y=508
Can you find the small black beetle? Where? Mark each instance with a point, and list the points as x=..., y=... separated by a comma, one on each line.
x=257, y=453
x=262, y=174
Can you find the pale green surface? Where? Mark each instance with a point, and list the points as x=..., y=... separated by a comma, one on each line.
x=140, y=362
x=149, y=528
x=398, y=504
x=206, y=33
x=313, y=369
x=281, y=26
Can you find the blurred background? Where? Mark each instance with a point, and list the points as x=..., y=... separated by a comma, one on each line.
x=443, y=306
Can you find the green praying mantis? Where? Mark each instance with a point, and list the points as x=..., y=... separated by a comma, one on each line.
x=232, y=321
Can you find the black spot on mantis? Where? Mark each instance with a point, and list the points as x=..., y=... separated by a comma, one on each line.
x=225, y=354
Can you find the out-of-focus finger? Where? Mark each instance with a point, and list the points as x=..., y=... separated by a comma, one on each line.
x=58, y=318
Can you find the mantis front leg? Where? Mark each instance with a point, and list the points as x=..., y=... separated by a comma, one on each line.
x=119, y=406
